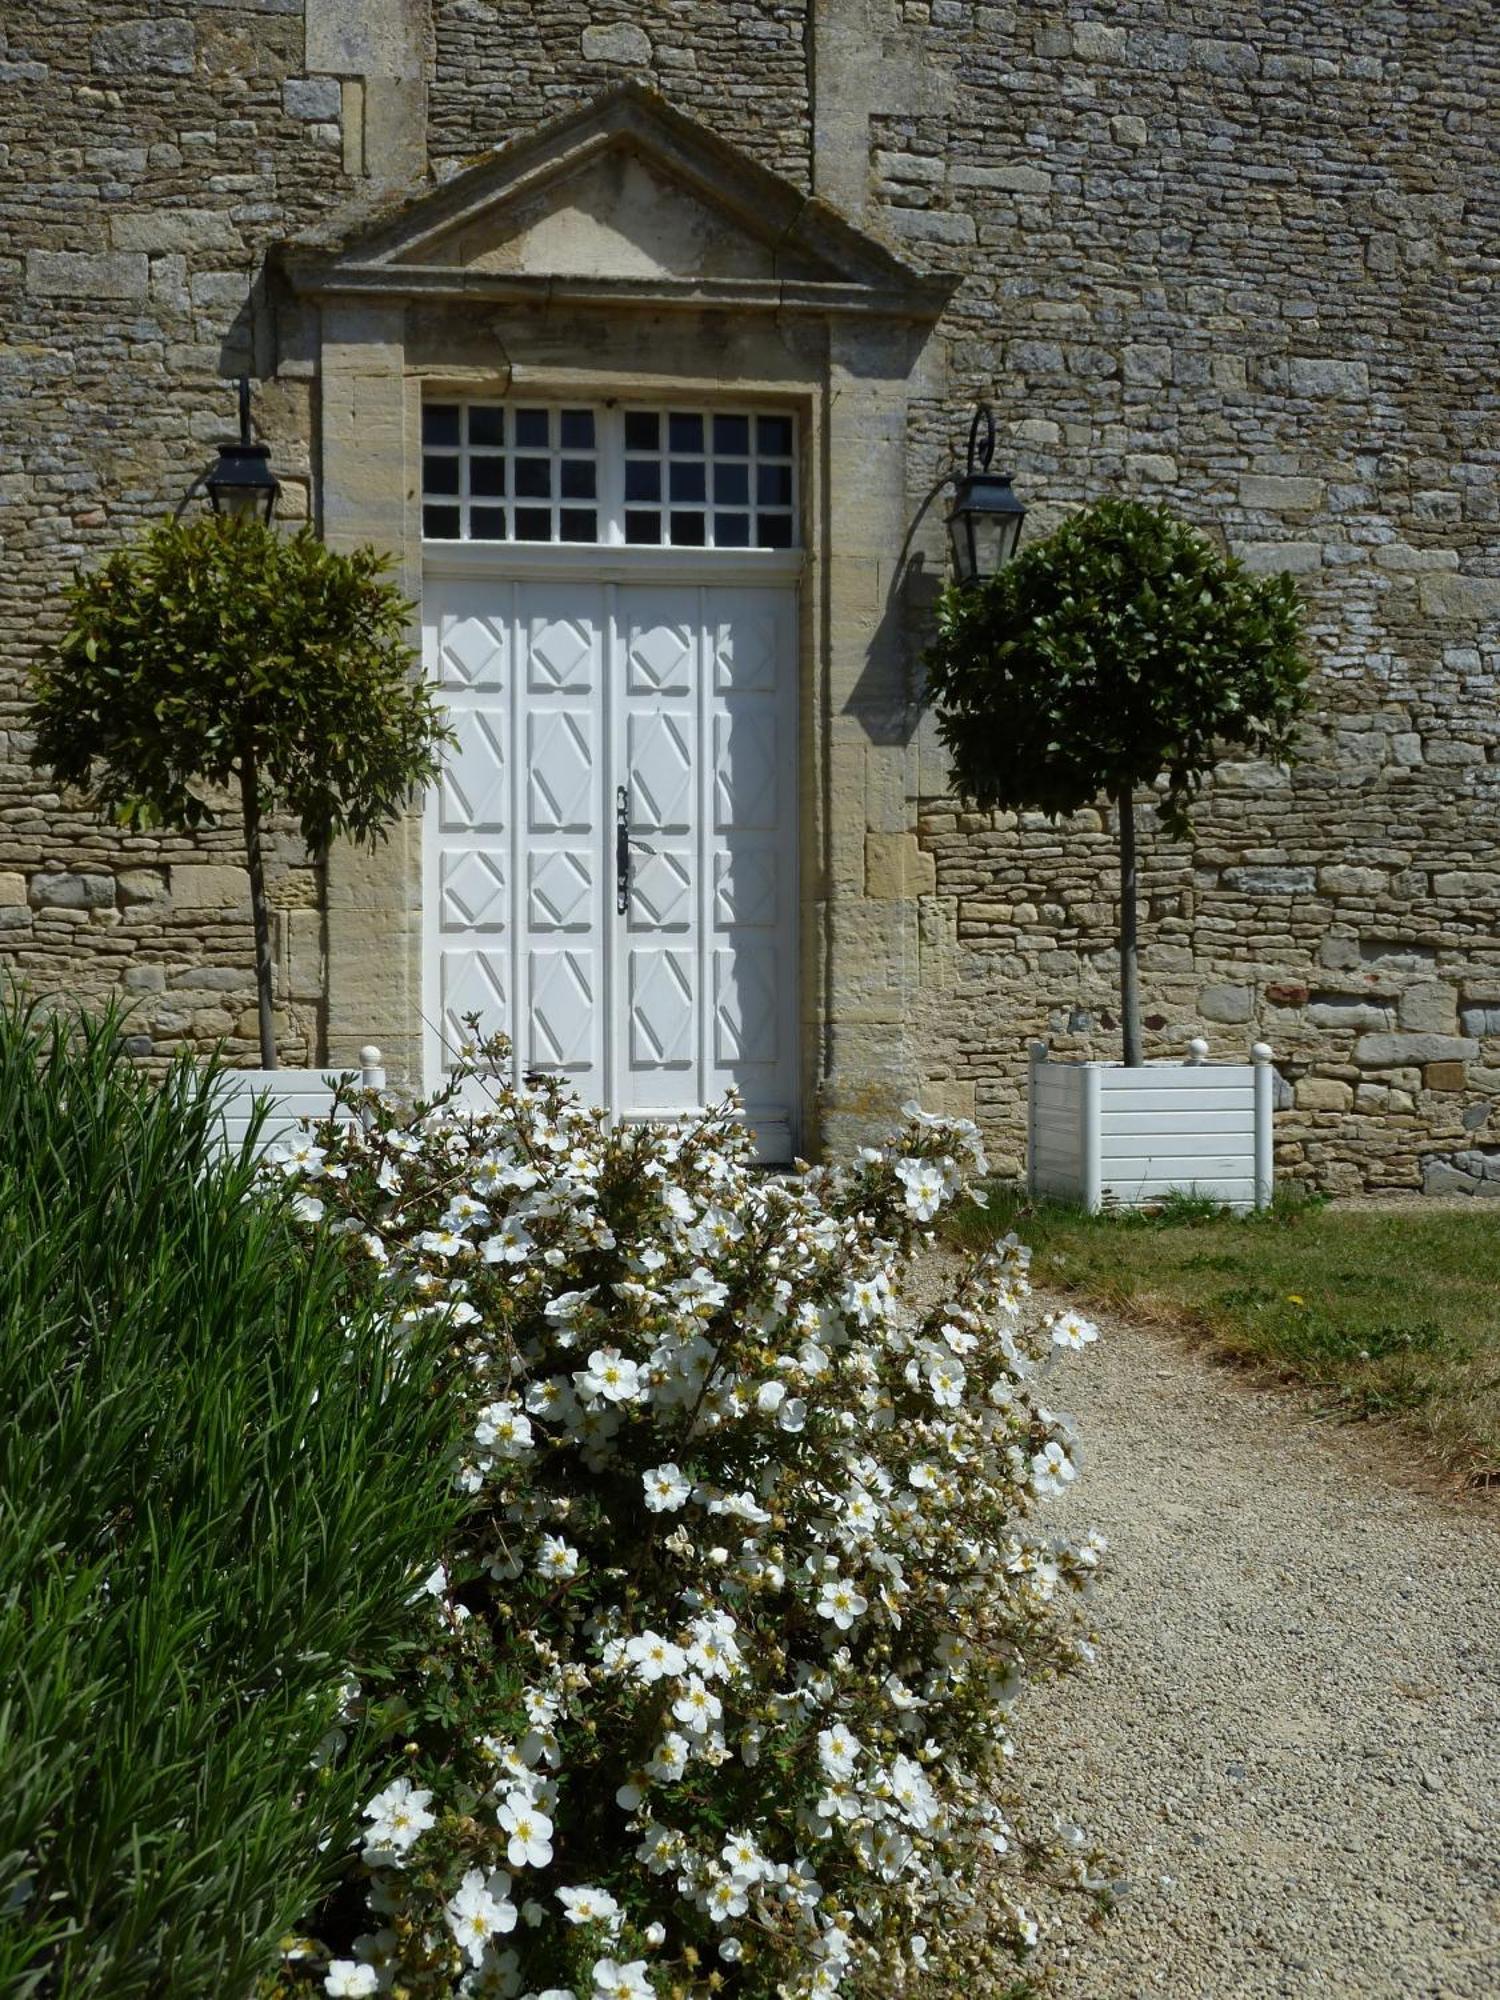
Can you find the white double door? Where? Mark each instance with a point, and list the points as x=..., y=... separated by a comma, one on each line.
x=610, y=853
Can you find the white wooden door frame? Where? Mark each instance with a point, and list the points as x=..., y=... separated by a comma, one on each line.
x=505, y=565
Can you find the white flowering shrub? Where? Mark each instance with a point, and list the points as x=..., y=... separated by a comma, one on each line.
x=716, y=1690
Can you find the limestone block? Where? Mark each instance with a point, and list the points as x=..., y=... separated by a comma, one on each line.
x=933, y=225
x=1471, y=597
x=209, y=886
x=369, y=38
x=948, y=1097
x=1227, y=1003
x=1147, y=362
x=1319, y=375
x=144, y=48
x=925, y=169
x=896, y=867
x=1342, y=880
x=1323, y=1093
x=12, y=891
x=1280, y=493
x=1008, y=180
x=1444, y=1076
x=86, y=274
x=617, y=42
x=160, y=231
x=1221, y=58
x=142, y=885
x=312, y=97
x=1389, y=1051
x=145, y=979
x=1455, y=755
x=1402, y=557
x=1265, y=881
x=1095, y=42
x=1380, y=1098
x=1351, y=1016
x=1263, y=558
x=1128, y=131
x=1475, y=1020
x=72, y=891
x=1428, y=1005
x=1150, y=465
x=1438, y=1177
x=1463, y=884
x=1475, y=1115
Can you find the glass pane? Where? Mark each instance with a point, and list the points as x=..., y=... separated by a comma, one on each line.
x=577, y=430
x=688, y=530
x=533, y=478
x=440, y=524
x=773, y=485
x=685, y=431
x=642, y=479
x=531, y=429
x=578, y=524
x=487, y=476
x=732, y=531
x=486, y=424
x=688, y=480
x=642, y=525
x=439, y=475
x=642, y=430
x=533, y=524
x=732, y=485
x=773, y=436
x=732, y=436
x=440, y=423
x=486, y=524
x=577, y=479
x=773, y=531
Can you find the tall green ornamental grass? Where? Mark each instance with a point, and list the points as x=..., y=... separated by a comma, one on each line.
x=221, y=1478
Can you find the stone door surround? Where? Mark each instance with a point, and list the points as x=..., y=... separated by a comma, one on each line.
x=626, y=252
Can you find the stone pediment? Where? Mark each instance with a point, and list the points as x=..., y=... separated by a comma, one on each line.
x=627, y=201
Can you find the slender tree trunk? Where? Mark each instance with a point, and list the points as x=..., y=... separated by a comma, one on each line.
x=260, y=910
x=1130, y=969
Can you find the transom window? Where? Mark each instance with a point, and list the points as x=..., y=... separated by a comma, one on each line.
x=675, y=478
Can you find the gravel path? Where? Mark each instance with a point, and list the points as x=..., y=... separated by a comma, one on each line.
x=1290, y=1746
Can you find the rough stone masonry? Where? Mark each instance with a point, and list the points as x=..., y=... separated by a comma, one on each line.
x=1239, y=258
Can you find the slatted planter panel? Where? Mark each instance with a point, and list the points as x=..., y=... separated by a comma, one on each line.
x=1111, y=1137
x=294, y=1094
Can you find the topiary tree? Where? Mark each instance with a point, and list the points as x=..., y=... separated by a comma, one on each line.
x=218, y=653
x=1118, y=651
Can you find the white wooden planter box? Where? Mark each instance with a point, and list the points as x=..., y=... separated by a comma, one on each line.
x=1111, y=1137
x=294, y=1094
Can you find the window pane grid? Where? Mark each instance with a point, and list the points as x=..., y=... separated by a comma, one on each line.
x=497, y=472
x=662, y=477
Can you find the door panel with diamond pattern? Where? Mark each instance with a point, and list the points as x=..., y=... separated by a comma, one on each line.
x=562, y=693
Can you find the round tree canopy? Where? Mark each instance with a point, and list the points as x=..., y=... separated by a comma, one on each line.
x=217, y=645
x=1121, y=648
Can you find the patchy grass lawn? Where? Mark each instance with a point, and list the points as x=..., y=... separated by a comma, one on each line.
x=1385, y=1313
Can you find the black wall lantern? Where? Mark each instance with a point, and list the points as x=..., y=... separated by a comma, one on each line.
x=242, y=482
x=984, y=522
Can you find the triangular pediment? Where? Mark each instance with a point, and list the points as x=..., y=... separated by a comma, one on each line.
x=626, y=198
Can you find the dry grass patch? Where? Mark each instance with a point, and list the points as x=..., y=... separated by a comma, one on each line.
x=1384, y=1313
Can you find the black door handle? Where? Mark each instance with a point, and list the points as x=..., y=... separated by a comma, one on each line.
x=622, y=850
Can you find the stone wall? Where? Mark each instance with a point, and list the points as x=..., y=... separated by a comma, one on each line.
x=1237, y=258
x=739, y=65
x=150, y=154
